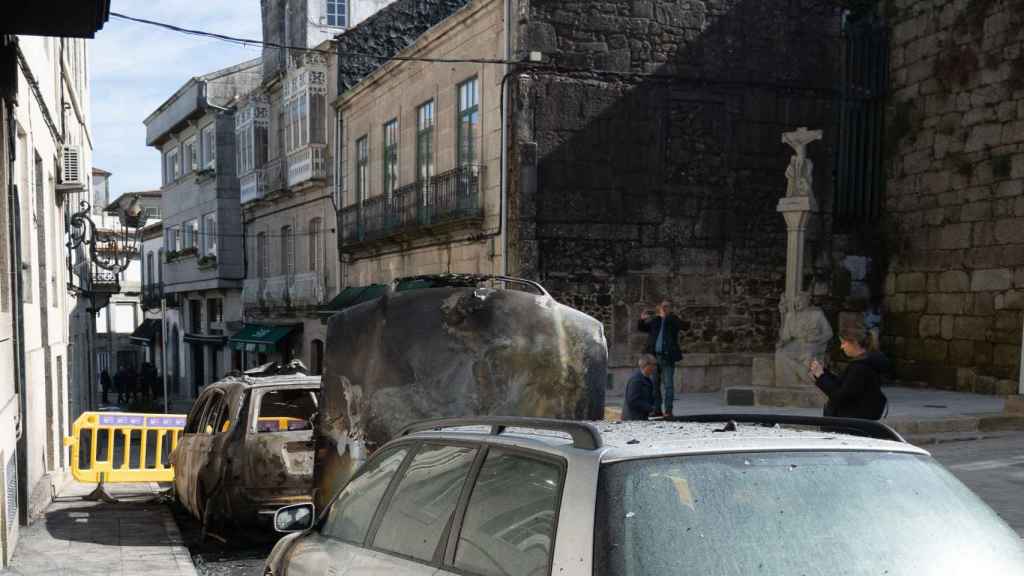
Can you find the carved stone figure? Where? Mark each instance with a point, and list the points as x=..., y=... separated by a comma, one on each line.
x=804, y=336
x=800, y=173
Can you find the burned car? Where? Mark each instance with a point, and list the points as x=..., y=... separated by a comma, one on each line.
x=247, y=448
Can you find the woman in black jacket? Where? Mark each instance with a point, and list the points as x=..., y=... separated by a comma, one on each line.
x=858, y=392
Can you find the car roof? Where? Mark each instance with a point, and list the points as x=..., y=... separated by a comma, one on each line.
x=636, y=440
x=275, y=381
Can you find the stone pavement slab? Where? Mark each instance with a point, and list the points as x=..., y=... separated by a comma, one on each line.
x=77, y=537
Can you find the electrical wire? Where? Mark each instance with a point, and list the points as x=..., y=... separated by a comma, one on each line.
x=250, y=42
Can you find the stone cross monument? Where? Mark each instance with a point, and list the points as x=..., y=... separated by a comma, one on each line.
x=805, y=331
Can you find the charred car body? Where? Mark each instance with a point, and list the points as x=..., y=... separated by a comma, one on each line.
x=451, y=345
x=247, y=448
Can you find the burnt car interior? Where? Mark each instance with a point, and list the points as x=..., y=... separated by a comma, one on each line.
x=286, y=410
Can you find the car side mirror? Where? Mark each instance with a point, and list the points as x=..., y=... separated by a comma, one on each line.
x=294, y=518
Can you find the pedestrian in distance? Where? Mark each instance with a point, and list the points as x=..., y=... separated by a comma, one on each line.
x=106, y=385
x=121, y=384
x=662, y=329
x=857, y=393
x=640, y=389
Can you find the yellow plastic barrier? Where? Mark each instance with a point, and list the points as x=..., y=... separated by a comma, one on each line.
x=122, y=447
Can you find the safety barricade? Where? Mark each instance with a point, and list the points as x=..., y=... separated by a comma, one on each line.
x=120, y=447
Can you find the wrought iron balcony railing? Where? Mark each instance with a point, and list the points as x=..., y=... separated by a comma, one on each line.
x=451, y=197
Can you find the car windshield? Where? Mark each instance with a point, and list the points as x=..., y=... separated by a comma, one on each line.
x=796, y=513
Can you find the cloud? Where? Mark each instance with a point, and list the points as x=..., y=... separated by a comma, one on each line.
x=135, y=67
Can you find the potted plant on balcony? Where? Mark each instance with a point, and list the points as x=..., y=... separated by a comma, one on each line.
x=208, y=261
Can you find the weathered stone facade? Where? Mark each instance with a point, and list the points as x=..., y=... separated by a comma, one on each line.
x=955, y=206
x=655, y=173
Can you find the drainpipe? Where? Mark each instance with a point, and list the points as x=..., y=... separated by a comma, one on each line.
x=506, y=110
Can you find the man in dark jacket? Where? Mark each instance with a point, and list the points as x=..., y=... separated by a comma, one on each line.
x=663, y=343
x=106, y=383
x=858, y=392
x=640, y=390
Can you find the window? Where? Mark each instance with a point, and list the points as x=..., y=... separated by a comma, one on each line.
x=210, y=234
x=262, y=261
x=173, y=242
x=418, y=512
x=191, y=155
x=315, y=248
x=362, y=163
x=286, y=410
x=150, y=279
x=390, y=158
x=191, y=233
x=209, y=143
x=337, y=13
x=217, y=418
x=469, y=121
x=316, y=360
x=195, y=316
x=197, y=414
x=349, y=517
x=509, y=525
x=296, y=121
x=287, y=251
x=425, y=143
x=173, y=169
x=214, y=311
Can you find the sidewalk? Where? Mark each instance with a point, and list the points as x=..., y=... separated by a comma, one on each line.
x=135, y=536
x=920, y=414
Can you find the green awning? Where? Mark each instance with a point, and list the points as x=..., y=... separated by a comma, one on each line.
x=354, y=295
x=261, y=337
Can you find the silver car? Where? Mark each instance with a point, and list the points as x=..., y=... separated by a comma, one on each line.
x=709, y=496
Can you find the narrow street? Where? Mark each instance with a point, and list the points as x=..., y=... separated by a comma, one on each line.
x=994, y=469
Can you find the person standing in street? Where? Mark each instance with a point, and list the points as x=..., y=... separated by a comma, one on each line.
x=640, y=390
x=662, y=331
x=858, y=392
x=121, y=384
x=106, y=384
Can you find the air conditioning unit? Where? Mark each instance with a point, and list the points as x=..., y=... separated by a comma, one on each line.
x=71, y=166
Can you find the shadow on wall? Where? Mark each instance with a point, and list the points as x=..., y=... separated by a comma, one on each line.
x=659, y=159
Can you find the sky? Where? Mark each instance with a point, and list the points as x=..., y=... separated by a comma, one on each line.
x=135, y=67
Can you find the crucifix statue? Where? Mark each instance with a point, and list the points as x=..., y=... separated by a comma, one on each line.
x=800, y=173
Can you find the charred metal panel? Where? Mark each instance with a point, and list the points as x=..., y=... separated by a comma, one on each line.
x=443, y=352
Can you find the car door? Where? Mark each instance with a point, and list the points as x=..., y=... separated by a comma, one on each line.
x=510, y=520
x=183, y=460
x=279, y=444
x=206, y=470
x=335, y=546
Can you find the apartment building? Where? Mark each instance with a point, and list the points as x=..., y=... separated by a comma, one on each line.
x=204, y=256
x=46, y=149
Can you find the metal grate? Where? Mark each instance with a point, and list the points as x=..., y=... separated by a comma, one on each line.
x=859, y=176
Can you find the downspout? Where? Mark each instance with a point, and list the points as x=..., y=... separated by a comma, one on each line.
x=505, y=109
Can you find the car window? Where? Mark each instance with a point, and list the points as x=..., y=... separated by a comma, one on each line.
x=509, y=524
x=196, y=416
x=419, y=510
x=783, y=513
x=350, y=515
x=284, y=410
x=217, y=415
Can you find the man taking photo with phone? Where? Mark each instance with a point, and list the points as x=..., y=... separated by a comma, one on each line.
x=662, y=331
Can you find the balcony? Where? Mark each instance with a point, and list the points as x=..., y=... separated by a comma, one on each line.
x=275, y=292
x=307, y=164
x=252, y=293
x=449, y=199
x=306, y=290
x=253, y=185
